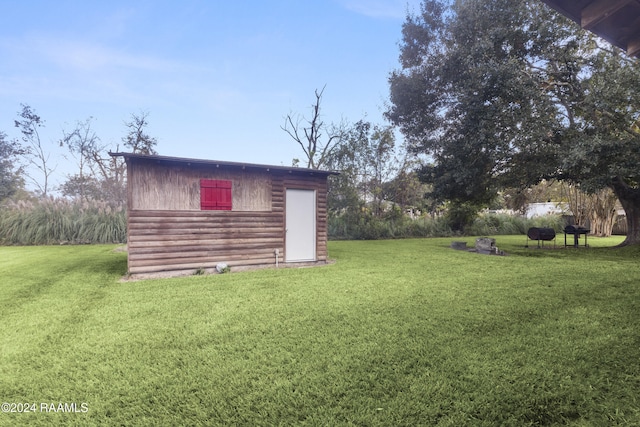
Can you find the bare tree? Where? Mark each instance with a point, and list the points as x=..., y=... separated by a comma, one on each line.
x=112, y=174
x=35, y=153
x=82, y=142
x=136, y=139
x=311, y=137
x=578, y=204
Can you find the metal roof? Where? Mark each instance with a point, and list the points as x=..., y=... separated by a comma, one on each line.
x=617, y=21
x=219, y=163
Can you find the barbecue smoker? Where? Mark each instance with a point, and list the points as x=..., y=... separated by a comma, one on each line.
x=541, y=235
x=576, y=230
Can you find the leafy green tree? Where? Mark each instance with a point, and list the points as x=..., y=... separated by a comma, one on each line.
x=603, y=147
x=462, y=98
x=545, y=191
x=366, y=157
x=506, y=93
x=376, y=159
x=11, y=179
x=406, y=190
x=343, y=194
x=85, y=187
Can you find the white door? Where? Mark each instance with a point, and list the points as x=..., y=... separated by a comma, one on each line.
x=300, y=237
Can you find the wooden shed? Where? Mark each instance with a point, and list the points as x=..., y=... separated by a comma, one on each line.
x=191, y=214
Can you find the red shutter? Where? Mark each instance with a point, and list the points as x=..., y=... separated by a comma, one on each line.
x=224, y=195
x=215, y=194
x=207, y=196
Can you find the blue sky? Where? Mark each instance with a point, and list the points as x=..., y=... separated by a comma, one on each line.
x=216, y=77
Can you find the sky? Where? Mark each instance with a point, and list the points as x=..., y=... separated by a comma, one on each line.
x=216, y=78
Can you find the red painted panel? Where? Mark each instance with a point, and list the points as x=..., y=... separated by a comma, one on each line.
x=215, y=194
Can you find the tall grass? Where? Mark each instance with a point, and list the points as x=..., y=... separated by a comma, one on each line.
x=367, y=227
x=53, y=221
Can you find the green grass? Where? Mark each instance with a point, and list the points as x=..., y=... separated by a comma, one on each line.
x=396, y=333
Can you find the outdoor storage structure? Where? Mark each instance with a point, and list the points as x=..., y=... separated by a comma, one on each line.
x=186, y=215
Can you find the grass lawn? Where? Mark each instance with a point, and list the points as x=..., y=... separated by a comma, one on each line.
x=396, y=333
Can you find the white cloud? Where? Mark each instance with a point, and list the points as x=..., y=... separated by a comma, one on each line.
x=81, y=70
x=84, y=56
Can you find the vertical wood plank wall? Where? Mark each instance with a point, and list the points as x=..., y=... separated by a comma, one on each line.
x=167, y=234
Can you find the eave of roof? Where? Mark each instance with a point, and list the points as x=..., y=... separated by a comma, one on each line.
x=219, y=163
x=617, y=21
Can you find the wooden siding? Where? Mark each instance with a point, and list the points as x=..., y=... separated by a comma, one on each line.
x=163, y=187
x=163, y=236
x=185, y=240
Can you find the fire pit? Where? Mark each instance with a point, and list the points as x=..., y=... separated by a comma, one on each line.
x=576, y=230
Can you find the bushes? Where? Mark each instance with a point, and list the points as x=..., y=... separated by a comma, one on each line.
x=53, y=221
x=364, y=226
x=488, y=224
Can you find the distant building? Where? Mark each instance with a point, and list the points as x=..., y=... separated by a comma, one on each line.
x=547, y=208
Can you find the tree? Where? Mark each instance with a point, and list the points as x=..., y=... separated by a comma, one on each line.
x=84, y=187
x=506, y=93
x=603, y=145
x=461, y=98
x=518, y=199
x=316, y=138
x=377, y=160
x=101, y=176
x=136, y=139
x=343, y=194
x=366, y=158
x=10, y=175
x=29, y=124
x=406, y=190
x=111, y=173
x=599, y=208
x=602, y=212
x=82, y=143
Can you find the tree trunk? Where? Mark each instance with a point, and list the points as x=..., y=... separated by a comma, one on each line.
x=602, y=212
x=630, y=200
x=578, y=205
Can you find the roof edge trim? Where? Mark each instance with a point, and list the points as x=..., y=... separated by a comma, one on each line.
x=183, y=160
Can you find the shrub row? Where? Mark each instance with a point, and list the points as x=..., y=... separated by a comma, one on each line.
x=366, y=227
x=503, y=224
x=54, y=221
x=58, y=221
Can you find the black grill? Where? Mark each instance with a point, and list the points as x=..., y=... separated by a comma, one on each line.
x=576, y=230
